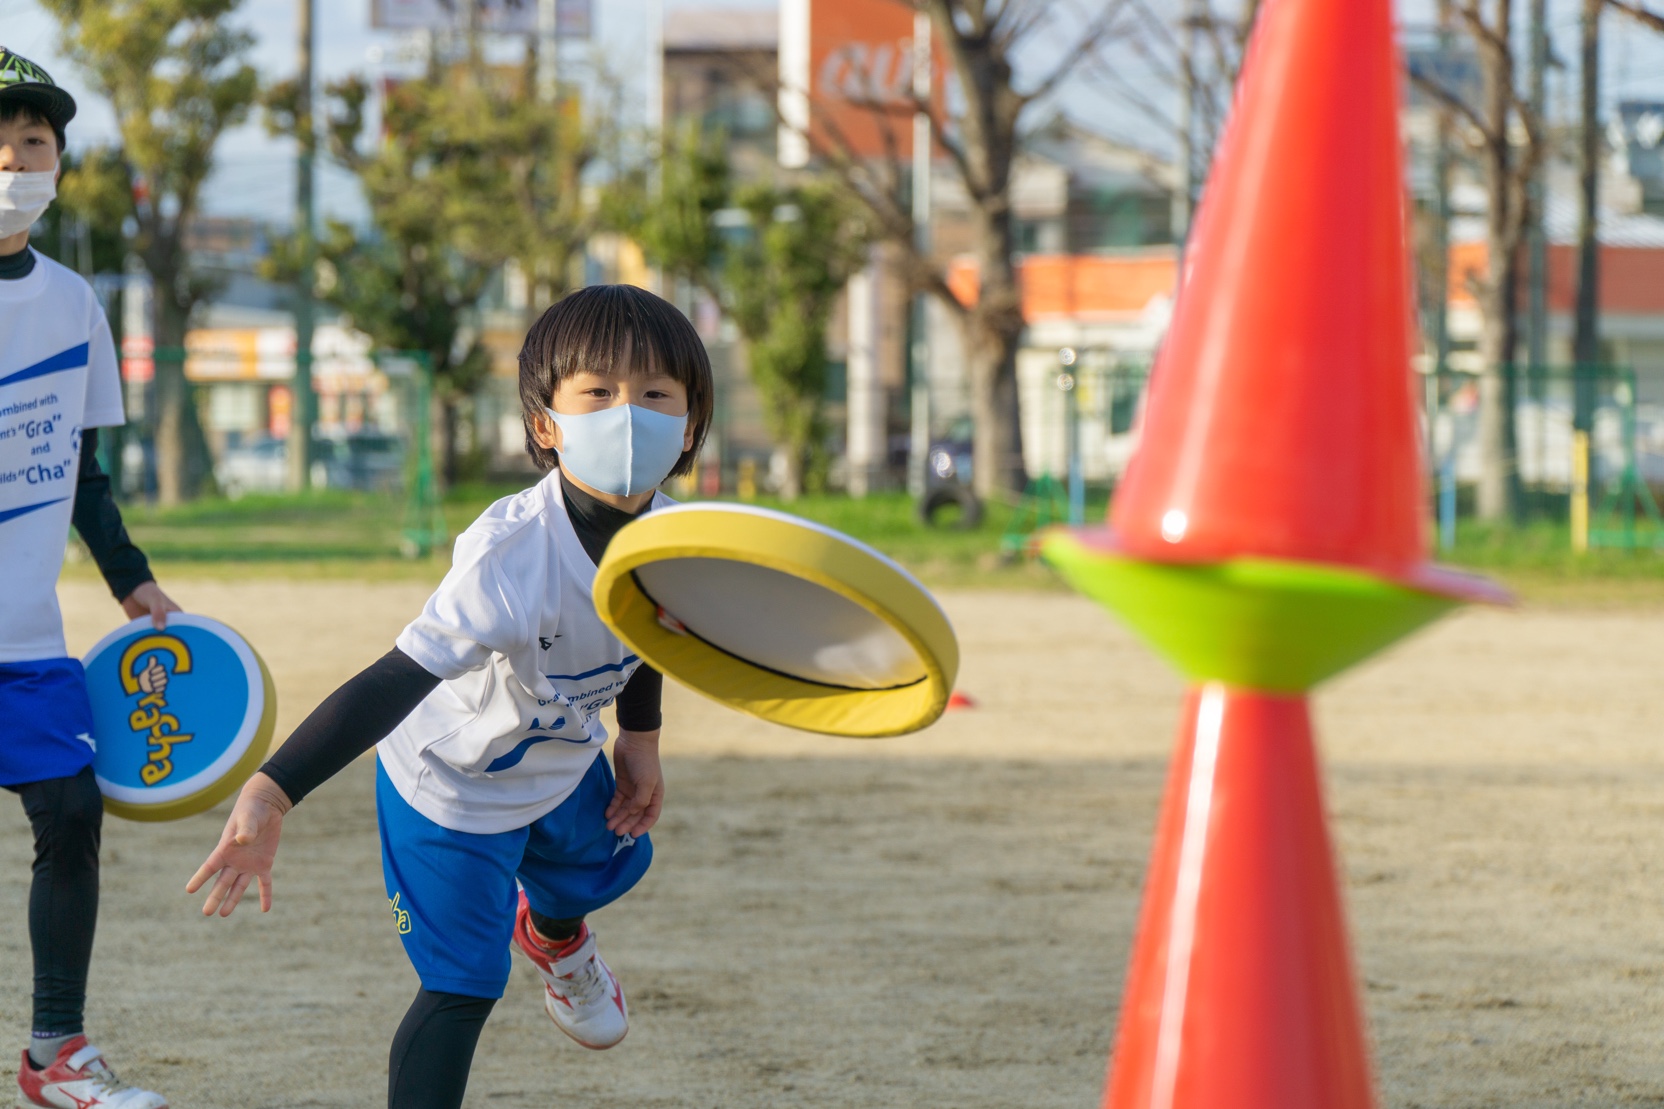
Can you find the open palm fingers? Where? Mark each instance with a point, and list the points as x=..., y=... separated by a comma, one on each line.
x=643, y=814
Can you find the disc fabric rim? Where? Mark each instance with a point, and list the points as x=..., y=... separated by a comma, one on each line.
x=789, y=545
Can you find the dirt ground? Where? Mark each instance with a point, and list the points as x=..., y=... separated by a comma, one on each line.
x=943, y=920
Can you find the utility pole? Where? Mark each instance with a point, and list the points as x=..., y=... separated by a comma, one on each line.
x=548, y=52
x=918, y=451
x=303, y=406
x=1536, y=319
x=1586, y=335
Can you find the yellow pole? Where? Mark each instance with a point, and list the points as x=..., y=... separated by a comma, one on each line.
x=1580, y=491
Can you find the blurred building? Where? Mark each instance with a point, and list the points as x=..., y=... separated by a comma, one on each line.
x=1092, y=222
x=719, y=74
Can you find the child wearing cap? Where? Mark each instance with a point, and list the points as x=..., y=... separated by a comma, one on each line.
x=501, y=821
x=58, y=385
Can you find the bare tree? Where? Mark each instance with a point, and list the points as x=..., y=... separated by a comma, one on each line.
x=1640, y=13
x=1506, y=138
x=979, y=38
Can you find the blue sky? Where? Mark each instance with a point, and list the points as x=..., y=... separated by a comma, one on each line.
x=253, y=174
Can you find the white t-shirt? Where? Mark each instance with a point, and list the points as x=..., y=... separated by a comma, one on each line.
x=527, y=664
x=58, y=376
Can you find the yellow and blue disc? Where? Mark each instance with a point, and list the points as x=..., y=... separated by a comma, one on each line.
x=181, y=717
x=779, y=617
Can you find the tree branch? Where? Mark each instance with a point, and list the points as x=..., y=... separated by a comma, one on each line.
x=1453, y=102
x=1640, y=13
x=1094, y=34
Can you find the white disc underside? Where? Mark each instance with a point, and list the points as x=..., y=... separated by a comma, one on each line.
x=784, y=623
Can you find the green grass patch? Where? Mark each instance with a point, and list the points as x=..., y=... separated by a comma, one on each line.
x=337, y=534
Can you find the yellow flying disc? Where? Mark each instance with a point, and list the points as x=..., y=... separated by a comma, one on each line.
x=780, y=618
x=181, y=717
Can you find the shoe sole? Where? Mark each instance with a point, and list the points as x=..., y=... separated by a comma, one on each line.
x=568, y=1033
x=35, y=1104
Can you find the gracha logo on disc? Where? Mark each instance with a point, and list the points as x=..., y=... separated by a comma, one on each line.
x=175, y=712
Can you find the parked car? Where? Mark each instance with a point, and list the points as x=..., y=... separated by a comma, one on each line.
x=365, y=461
x=260, y=466
x=948, y=499
x=369, y=461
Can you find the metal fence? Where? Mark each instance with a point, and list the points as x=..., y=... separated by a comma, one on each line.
x=372, y=432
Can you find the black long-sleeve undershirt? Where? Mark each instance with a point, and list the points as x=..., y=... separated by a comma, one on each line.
x=596, y=523
x=17, y=265
x=98, y=521
x=371, y=704
x=351, y=720
x=94, y=513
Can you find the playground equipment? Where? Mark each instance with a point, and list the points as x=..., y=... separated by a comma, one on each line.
x=1269, y=533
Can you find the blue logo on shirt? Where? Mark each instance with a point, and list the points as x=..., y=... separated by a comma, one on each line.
x=512, y=758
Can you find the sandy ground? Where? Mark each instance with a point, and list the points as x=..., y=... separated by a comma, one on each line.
x=943, y=920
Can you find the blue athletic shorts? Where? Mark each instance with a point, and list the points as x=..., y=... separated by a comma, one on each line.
x=45, y=721
x=453, y=896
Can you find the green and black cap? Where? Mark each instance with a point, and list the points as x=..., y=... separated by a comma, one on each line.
x=24, y=82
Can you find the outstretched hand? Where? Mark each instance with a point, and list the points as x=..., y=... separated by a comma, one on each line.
x=636, y=802
x=246, y=850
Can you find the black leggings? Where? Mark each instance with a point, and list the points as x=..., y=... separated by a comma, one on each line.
x=67, y=815
x=434, y=1049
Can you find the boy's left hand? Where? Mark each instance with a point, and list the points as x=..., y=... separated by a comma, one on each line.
x=149, y=600
x=640, y=795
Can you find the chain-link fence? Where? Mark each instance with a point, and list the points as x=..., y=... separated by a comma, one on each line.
x=371, y=430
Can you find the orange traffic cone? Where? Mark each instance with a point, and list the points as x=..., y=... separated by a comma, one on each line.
x=1240, y=993
x=1281, y=420
x=1268, y=534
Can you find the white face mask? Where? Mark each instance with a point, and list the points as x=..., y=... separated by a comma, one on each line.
x=23, y=197
x=623, y=450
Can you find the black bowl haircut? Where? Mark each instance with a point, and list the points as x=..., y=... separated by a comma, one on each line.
x=15, y=109
x=606, y=329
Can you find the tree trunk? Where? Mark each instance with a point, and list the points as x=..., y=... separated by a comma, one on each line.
x=791, y=456
x=182, y=461
x=445, y=439
x=1495, y=500
x=1504, y=228
x=996, y=443
x=994, y=331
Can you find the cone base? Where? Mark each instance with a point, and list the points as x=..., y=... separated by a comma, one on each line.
x=1241, y=992
x=1257, y=623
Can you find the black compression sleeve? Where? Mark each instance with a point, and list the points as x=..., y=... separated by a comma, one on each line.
x=638, y=701
x=98, y=521
x=351, y=720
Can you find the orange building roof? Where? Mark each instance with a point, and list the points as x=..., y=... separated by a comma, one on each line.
x=1080, y=286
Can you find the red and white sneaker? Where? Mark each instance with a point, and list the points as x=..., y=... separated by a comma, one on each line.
x=580, y=993
x=79, y=1079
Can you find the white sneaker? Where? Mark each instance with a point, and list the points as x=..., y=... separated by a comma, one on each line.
x=79, y=1079
x=580, y=993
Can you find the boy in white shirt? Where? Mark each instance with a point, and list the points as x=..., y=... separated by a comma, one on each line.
x=485, y=714
x=58, y=385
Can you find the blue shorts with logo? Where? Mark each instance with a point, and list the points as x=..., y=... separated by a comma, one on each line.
x=453, y=894
x=45, y=721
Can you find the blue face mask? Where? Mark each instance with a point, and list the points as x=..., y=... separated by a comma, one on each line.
x=622, y=450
